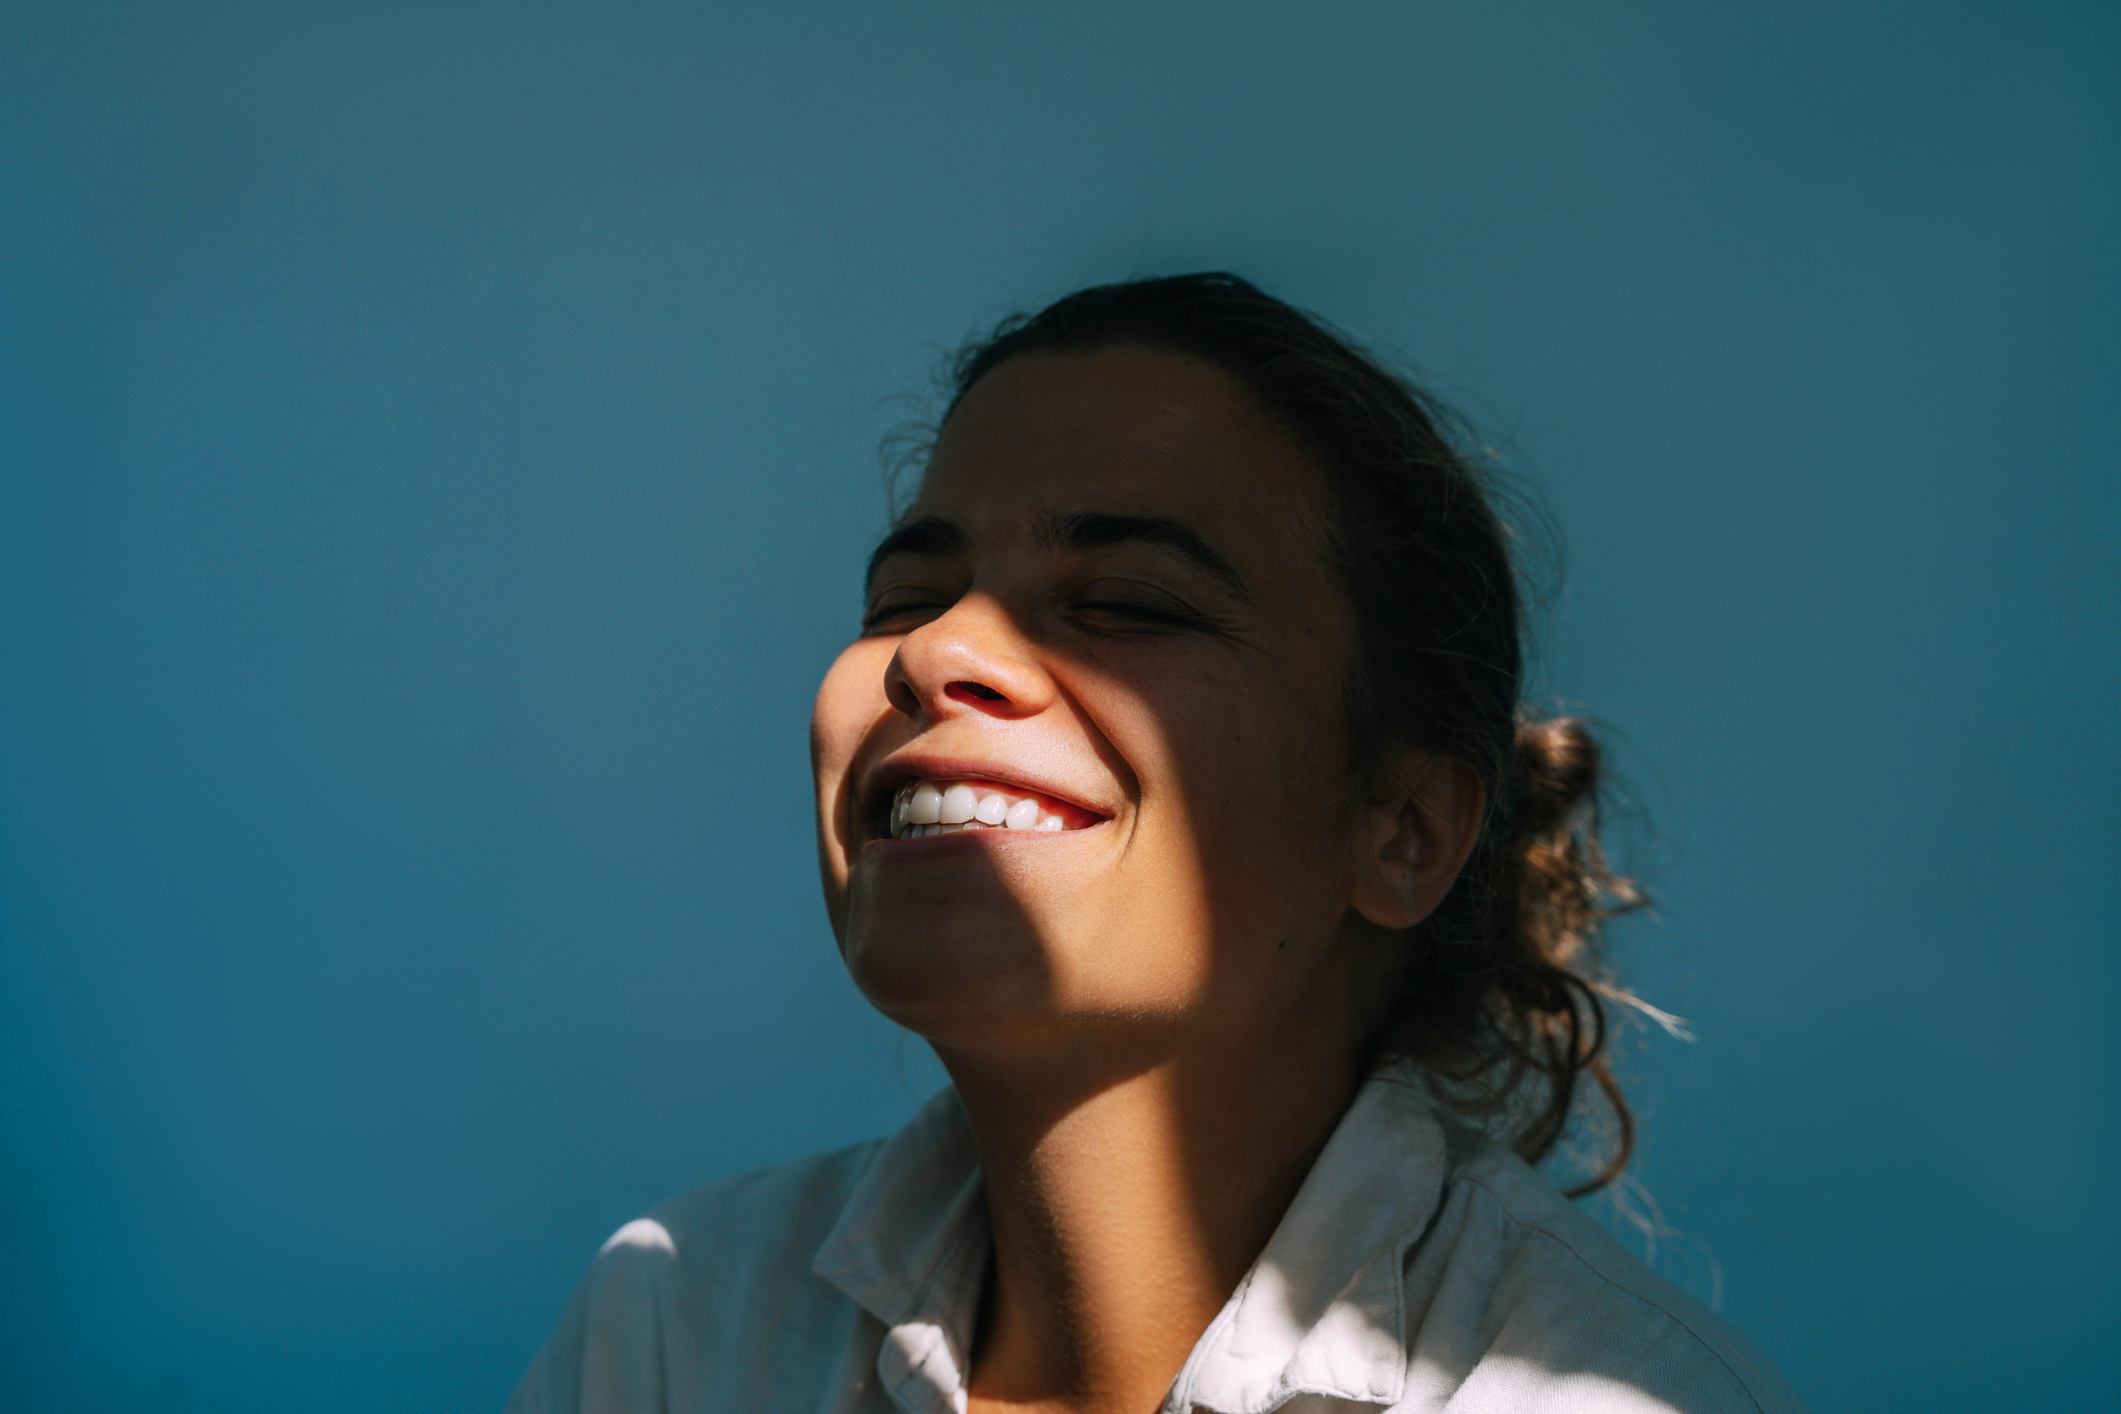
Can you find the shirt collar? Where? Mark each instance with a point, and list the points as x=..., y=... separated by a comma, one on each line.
x=1321, y=1312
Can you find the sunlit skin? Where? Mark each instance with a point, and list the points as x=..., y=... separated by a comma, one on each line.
x=1156, y=1020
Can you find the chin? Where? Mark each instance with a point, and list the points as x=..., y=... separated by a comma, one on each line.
x=945, y=978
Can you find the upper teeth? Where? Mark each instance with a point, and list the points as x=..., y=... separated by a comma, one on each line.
x=940, y=808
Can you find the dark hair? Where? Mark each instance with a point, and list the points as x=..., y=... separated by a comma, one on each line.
x=1499, y=995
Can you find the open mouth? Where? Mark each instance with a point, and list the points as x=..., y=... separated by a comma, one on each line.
x=920, y=808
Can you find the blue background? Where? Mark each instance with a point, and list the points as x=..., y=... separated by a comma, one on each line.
x=438, y=445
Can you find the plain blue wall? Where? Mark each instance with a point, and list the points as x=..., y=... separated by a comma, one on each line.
x=439, y=441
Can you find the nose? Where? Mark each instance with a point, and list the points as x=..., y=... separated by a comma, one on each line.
x=972, y=659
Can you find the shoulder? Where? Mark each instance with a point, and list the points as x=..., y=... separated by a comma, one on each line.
x=759, y=1224
x=723, y=1270
x=1518, y=1300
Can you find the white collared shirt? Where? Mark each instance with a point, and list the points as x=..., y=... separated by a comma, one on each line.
x=1403, y=1277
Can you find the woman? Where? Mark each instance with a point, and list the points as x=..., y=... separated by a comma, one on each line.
x=1177, y=793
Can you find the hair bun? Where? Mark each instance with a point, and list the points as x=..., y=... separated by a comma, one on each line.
x=1558, y=762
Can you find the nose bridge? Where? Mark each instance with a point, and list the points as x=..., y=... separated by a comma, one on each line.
x=956, y=660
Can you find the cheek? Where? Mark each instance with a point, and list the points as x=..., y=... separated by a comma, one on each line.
x=1252, y=781
x=849, y=702
x=1245, y=746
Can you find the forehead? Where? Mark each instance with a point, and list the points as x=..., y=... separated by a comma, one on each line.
x=1129, y=430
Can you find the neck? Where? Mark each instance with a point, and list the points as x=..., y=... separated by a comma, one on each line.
x=1127, y=1202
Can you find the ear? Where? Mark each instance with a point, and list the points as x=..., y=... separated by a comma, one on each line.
x=1413, y=835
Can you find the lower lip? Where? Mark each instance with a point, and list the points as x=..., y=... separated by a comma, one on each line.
x=966, y=841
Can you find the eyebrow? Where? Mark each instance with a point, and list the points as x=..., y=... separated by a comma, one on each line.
x=933, y=537
x=930, y=537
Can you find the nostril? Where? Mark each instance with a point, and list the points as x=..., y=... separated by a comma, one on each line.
x=900, y=694
x=962, y=690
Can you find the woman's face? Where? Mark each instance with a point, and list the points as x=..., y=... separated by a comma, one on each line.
x=1104, y=627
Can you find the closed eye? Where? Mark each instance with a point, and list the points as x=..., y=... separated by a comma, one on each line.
x=1137, y=607
x=1126, y=609
x=903, y=612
